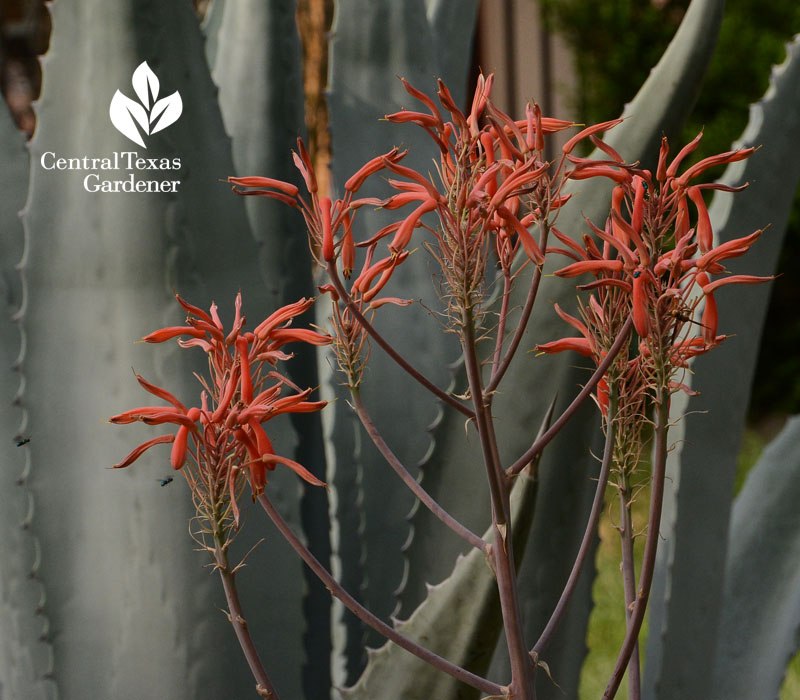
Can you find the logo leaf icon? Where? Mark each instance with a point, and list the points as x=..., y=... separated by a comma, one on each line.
x=125, y=114
x=165, y=112
x=145, y=83
x=150, y=114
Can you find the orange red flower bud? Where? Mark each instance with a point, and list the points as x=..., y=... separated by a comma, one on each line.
x=594, y=129
x=285, y=187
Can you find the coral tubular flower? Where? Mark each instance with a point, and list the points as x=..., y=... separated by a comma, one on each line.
x=373, y=166
x=588, y=131
x=655, y=266
x=281, y=316
x=223, y=439
x=618, y=176
x=712, y=161
x=734, y=279
x=164, y=334
x=327, y=232
x=594, y=266
x=579, y=345
x=640, y=304
x=141, y=449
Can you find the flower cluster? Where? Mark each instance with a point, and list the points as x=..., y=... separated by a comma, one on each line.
x=330, y=233
x=225, y=435
x=658, y=257
x=492, y=185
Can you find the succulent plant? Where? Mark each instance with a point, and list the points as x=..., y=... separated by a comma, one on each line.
x=100, y=596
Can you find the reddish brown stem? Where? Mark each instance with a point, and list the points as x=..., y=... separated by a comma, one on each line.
x=502, y=319
x=425, y=498
x=629, y=582
x=237, y=619
x=367, y=617
x=650, y=548
x=521, y=685
x=586, y=542
x=541, y=442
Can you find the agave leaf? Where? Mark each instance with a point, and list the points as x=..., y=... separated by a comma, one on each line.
x=459, y=620
x=669, y=93
x=100, y=273
x=688, y=599
x=258, y=70
x=660, y=106
x=24, y=658
x=371, y=44
x=760, y=620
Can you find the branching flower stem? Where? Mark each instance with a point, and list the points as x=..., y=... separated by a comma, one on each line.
x=651, y=545
x=521, y=685
x=367, y=617
x=396, y=356
x=426, y=499
x=237, y=619
x=541, y=442
x=588, y=536
x=502, y=319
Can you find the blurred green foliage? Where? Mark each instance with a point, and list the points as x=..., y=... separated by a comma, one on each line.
x=616, y=43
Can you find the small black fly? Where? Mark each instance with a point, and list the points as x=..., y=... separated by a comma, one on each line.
x=166, y=480
x=23, y=441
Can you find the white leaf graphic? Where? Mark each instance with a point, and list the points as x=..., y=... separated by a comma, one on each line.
x=123, y=111
x=145, y=83
x=168, y=109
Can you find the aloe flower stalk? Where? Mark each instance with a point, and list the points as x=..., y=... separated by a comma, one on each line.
x=655, y=264
x=222, y=443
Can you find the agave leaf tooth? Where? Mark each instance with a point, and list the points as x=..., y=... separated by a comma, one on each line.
x=760, y=622
x=14, y=180
x=459, y=620
x=25, y=654
x=690, y=572
x=430, y=546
